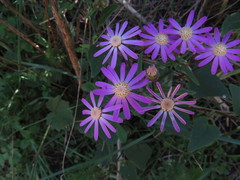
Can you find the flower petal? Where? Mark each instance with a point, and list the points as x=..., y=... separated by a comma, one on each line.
x=174, y=122
x=85, y=121
x=101, y=51
x=155, y=118
x=190, y=19
x=199, y=23
x=86, y=103
x=174, y=23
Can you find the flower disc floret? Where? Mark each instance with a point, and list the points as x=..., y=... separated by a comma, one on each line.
x=115, y=41
x=162, y=39
x=220, y=49
x=96, y=113
x=121, y=89
x=167, y=104
x=186, y=33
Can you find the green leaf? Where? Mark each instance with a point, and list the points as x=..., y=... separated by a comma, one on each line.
x=188, y=71
x=231, y=23
x=107, y=12
x=230, y=140
x=95, y=62
x=235, y=90
x=140, y=68
x=121, y=133
x=139, y=154
x=129, y=171
x=209, y=85
x=60, y=115
x=203, y=134
x=88, y=86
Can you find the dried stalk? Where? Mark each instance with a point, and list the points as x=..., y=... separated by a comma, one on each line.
x=15, y=31
x=67, y=40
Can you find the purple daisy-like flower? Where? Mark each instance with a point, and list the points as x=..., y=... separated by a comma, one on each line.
x=219, y=51
x=167, y=106
x=98, y=115
x=190, y=35
x=122, y=88
x=158, y=41
x=117, y=41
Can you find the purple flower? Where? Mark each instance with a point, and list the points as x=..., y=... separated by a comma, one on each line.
x=168, y=105
x=98, y=115
x=189, y=35
x=158, y=41
x=219, y=51
x=122, y=87
x=116, y=41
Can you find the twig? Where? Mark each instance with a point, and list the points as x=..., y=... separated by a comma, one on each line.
x=14, y=30
x=133, y=11
x=67, y=40
x=20, y=15
x=119, y=160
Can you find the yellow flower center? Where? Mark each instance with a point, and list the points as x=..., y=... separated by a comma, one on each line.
x=116, y=41
x=121, y=89
x=167, y=104
x=96, y=113
x=186, y=33
x=219, y=49
x=162, y=39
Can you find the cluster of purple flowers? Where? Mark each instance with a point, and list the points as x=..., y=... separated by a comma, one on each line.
x=159, y=41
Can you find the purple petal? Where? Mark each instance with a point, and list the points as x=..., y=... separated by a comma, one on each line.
x=151, y=108
x=233, y=51
x=160, y=25
x=122, y=72
x=174, y=45
x=146, y=36
x=164, y=54
x=233, y=57
x=181, y=96
x=117, y=29
x=175, y=90
x=226, y=37
x=124, y=25
x=222, y=65
x=150, y=48
x=150, y=31
x=204, y=55
x=92, y=99
x=155, y=52
x=85, y=121
x=101, y=51
x=86, y=103
x=109, y=126
x=126, y=110
x=130, y=32
x=103, y=84
x=184, y=110
x=113, y=73
x=152, y=27
x=112, y=118
x=110, y=31
x=100, y=99
x=183, y=47
x=131, y=35
x=137, y=78
x=199, y=23
x=208, y=41
x=163, y=121
x=215, y=65
x=114, y=58
x=172, y=31
x=191, y=46
x=109, y=75
x=108, y=55
x=233, y=43
x=196, y=43
x=227, y=64
x=185, y=102
x=103, y=91
x=217, y=35
x=96, y=130
x=202, y=30
x=153, y=93
x=104, y=43
x=112, y=108
x=123, y=52
x=155, y=118
x=105, y=37
x=174, y=23
x=139, y=97
x=160, y=89
x=175, y=125
x=147, y=43
x=111, y=102
x=169, y=92
x=132, y=72
x=135, y=105
x=116, y=113
x=179, y=117
x=190, y=19
x=129, y=52
x=133, y=42
x=206, y=61
x=105, y=130
x=140, y=84
x=88, y=126
x=84, y=112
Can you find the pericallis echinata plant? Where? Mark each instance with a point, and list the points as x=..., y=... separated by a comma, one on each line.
x=123, y=84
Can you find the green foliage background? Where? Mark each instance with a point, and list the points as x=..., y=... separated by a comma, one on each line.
x=38, y=98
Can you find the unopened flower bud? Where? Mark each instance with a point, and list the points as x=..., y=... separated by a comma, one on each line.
x=152, y=73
